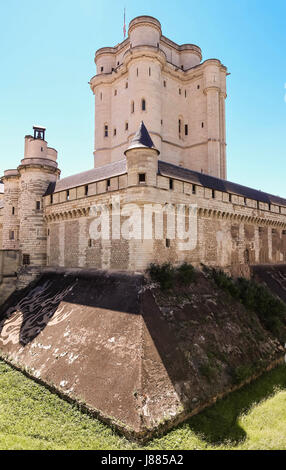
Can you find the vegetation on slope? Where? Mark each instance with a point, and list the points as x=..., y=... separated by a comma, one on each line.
x=270, y=310
x=31, y=417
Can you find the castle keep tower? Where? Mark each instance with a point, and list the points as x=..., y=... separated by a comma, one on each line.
x=23, y=225
x=180, y=99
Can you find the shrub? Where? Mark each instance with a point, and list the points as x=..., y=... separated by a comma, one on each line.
x=166, y=275
x=241, y=373
x=208, y=371
x=163, y=274
x=186, y=274
x=270, y=310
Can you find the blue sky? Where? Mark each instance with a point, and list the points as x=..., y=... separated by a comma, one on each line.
x=47, y=52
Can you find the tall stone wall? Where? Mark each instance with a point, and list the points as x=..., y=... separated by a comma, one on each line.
x=184, y=100
x=10, y=219
x=230, y=235
x=1, y=228
x=33, y=232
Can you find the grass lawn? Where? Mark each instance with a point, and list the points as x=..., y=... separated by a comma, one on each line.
x=31, y=417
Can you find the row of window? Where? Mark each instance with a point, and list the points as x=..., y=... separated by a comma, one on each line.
x=164, y=84
x=38, y=207
x=149, y=73
x=142, y=179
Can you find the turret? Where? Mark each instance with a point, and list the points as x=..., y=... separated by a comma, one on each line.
x=10, y=238
x=142, y=159
x=37, y=170
x=144, y=30
x=214, y=89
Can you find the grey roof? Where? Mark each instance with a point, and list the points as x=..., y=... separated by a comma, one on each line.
x=177, y=172
x=142, y=139
x=90, y=176
x=164, y=169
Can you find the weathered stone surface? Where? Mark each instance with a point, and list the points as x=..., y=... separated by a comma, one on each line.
x=138, y=358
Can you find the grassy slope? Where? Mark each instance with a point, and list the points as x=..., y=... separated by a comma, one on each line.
x=33, y=418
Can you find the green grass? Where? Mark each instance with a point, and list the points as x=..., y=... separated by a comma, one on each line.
x=31, y=417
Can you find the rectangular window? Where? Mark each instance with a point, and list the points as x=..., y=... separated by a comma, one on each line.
x=52, y=199
x=38, y=205
x=107, y=184
x=86, y=190
x=171, y=184
x=229, y=197
x=26, y=259
x=11, y=235
x=105, y=130
x=126, y=126
x=194, y=189
x=142, y=177
x=213, y=193
x=168, y=243
x=68, y=195
x=13, y=210
x=186, y=129
x=114, y=131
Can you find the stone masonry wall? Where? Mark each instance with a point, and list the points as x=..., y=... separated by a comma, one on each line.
x=231, y=235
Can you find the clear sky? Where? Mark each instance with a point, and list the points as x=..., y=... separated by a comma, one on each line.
x=47, y=58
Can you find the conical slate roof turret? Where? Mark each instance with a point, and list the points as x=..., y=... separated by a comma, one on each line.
x=142, y=139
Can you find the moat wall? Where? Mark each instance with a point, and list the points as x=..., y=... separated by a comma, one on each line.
x=140, y=359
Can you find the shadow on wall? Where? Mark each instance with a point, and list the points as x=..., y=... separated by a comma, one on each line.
x=34, y=307
x=188, y=343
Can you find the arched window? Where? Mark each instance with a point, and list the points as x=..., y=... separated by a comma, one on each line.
x=143, y=104
x=132, y=106
x=105, y=130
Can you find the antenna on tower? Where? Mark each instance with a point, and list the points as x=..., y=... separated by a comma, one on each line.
x=124, y=25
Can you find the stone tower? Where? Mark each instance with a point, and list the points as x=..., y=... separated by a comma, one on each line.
x=24, y=225
x=142, y=159
x=181, y=99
